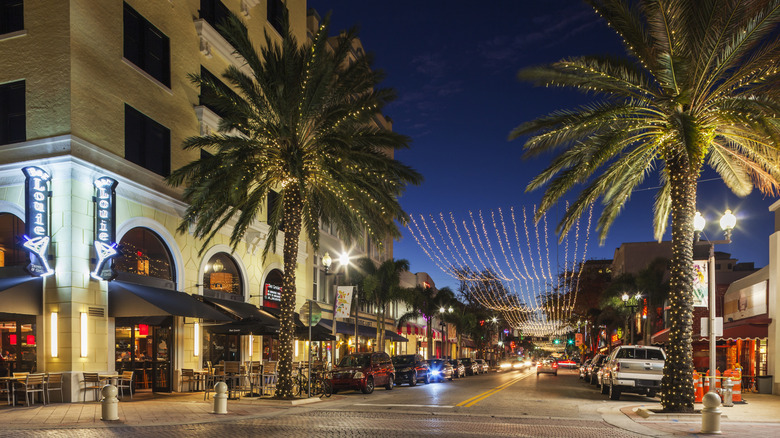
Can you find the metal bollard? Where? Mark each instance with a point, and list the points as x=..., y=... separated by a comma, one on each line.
x=728, y=393
x=220, y=398
x=110, y=404
x=710, y=414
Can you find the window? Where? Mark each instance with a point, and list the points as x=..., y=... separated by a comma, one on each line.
x=207, y=95
x=11, y=232
x=146, y=47
x=214, y=12
x=147, y=143
x=276, y=14
x=11, y=16
x=144, y=253
x=221, y=274
x=12, y=113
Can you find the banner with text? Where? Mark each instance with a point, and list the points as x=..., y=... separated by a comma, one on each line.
x=343, y=301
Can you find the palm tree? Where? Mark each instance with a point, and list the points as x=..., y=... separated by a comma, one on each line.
x=701, y=85
x=380, y=286
x=463, y=321
x=300, y=121
x=424, y=302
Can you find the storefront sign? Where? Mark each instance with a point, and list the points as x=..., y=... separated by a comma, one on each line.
x=745, y=302
x=700, y=283
x=105, y=228
x=272, y=296
x=36, y=238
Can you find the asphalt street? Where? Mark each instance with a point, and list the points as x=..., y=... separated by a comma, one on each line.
x=515, y=403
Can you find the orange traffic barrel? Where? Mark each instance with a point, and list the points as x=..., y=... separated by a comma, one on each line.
x=698, y=388
x=736, y=390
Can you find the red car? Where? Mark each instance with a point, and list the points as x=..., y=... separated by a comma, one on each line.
x=363, y=371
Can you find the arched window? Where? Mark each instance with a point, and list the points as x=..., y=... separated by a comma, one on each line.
x=11, y=232
x=144, y=253
x=222, y=274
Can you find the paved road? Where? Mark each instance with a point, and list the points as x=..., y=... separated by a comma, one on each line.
x=517, y=404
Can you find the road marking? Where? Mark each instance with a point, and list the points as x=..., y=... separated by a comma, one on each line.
x=477, y=398
x=402, y=405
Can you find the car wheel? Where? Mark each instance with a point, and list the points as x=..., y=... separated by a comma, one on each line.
x=369, y=388
x=604, y=389
x=389, y=385
x=427, y=379
x=614, y=393
x=413, y=379
x=555, y=373
x=451, y=376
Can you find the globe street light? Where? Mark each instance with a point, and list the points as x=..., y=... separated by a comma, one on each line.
x=445, y=339
x=632, y=305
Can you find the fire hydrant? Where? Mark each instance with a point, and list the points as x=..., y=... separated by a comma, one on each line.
x=110, y=404
x=220, y=398
x=728, y=393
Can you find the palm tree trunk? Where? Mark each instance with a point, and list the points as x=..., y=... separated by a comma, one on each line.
x=379, y=328
x=430, y=339
x=292, y=223
x=677, y=392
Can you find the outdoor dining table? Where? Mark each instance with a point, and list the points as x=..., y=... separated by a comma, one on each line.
x=9, y=381
x=110, y=377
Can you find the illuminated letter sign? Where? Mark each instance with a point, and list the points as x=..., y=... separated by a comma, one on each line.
x=36, y=205
x=105, y=228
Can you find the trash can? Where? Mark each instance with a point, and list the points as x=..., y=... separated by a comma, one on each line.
x=764, y=384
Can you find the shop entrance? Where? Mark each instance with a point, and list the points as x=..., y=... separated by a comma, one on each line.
x=18, y=345
x=145, y=346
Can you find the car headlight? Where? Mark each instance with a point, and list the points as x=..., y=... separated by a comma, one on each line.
x=528, y=363
x=505, y=365
x=435, y=372
x=358, y=375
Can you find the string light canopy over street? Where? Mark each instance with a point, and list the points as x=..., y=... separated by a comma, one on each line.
x=509, y=263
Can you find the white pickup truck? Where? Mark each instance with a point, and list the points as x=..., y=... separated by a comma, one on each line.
x=633, y=368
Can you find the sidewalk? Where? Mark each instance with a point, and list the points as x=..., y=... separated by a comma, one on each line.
x=759, y=417
x=144, y=410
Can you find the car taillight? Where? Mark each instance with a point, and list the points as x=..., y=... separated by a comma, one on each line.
x=555, y=365
x=538, y=365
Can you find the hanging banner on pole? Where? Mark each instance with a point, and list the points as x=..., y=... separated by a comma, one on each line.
x=343, y=301
x=700, y=283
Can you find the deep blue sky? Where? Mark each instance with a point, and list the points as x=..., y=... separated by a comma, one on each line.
x=454, y=65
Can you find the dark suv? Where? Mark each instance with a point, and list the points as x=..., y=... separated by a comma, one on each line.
x=410, y=368
x=363, y=371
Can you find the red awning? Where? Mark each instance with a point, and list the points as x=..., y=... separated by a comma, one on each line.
x=661, y=337
x=750, y=328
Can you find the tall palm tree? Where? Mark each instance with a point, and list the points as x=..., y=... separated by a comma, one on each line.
x=425, y=302
x=380, y=286
x=701, y=85
x=301, y=122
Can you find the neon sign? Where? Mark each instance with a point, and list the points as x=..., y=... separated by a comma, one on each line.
x=36, y=206
x=105, y=228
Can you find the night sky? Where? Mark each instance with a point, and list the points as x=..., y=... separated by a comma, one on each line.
x=454, y=65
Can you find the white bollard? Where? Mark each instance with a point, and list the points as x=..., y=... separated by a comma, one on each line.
x=110, y=404
x=728, y=393
x=220, y=398
x=710, y=414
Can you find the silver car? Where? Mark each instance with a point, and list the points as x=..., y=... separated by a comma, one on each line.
x=483, y=366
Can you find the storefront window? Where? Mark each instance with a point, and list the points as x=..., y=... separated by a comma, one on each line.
x=144, y=253
x=219, y=347
x=222, y=274
x=11, y=232
x=18, y=345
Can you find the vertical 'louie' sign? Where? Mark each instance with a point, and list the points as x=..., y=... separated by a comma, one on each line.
x=105, y=228
x=36, y=212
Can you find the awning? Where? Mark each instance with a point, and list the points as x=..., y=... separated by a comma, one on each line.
x=247, y=326
x=468, y=343
x=749, y=328
x=318, y=333
x=661, y=337
x=135, y=300
x=22, y=294
x=241, y=310
x=410, y=328
x=346, y=328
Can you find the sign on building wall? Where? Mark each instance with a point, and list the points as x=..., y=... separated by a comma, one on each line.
x=36, y=212
x=272, y=296
x=105, y=228
x=746, y=302
x=701, y=280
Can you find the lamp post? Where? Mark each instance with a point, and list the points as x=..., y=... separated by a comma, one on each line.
x=445, y=337
x=727, y=223
x=631, y=303
x=326, y=263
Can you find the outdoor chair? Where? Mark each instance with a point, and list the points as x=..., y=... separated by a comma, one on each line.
x=31, y=385
x=188, y=377
x=269, y=378
x=91, y=382
x=5, y=387
x=53, y=383
x=126, y=381
x=211, y=379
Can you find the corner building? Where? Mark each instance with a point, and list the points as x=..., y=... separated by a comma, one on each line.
x=95, y=93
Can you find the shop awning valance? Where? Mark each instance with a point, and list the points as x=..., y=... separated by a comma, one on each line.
x=23, y=294
x=246, y=326
x=135, y=300
x=750, y=328
x=346, y=328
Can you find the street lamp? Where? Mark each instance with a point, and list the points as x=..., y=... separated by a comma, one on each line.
x=727, y=223
x=326, y=263
x=445, y=339
x=632, y=305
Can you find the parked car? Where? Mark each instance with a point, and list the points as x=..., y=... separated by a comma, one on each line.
x=593, y=368
x=549, y=365
x=458, y=368
x=484, y=367
x=584, y=368
x=410, y=368
x=363, y=371
x=440, y=369
x=471, y=367
x=506, y=365
x=633, y=368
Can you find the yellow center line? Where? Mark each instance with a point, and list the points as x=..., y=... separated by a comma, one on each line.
x=477, y=398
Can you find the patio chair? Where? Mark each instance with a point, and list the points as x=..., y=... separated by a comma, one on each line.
x=53, y=383
x=5, y=387
x=91, y=382
x=269, y=378
x=32, y=384
x=188, y=377
x=126, y=381
x=211, y=379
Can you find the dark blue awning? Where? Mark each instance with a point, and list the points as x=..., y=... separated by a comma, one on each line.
x=135, y=300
